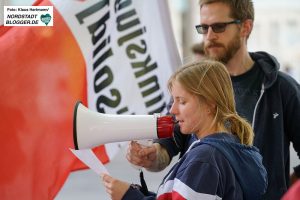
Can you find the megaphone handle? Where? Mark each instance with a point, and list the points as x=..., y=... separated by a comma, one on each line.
x=145, y=143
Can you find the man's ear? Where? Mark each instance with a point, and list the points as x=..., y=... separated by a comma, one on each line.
x=247, y=26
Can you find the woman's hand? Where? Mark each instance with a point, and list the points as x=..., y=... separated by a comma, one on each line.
x=114, y=187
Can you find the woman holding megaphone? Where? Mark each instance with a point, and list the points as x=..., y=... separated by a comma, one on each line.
x=222, y=163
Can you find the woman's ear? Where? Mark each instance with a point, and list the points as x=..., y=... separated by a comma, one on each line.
x=208, y=111
x=211, y=108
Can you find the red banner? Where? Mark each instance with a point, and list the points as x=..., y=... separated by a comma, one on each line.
x=42, y=76
x=44, y=73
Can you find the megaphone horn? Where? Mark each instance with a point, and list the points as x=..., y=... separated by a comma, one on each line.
x=92, y=129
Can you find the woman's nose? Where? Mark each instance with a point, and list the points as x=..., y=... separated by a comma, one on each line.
x=173, y=109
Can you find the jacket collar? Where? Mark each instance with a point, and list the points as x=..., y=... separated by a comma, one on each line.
x=269, y=65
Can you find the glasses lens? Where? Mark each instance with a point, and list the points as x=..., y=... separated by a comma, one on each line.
x=202, y=29
x=219, y=27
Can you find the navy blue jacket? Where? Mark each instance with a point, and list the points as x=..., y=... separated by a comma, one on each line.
x=215, y=167
x=276, y=124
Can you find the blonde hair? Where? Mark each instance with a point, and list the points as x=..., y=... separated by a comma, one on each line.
x=210, y=80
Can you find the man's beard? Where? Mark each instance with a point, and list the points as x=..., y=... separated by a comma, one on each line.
x=227, y=52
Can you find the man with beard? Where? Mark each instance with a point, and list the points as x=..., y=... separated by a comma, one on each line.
x=266, y=97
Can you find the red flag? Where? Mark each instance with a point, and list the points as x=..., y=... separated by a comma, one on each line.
x=42, y=76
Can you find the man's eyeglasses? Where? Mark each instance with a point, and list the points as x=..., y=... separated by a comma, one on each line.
x=217, y=27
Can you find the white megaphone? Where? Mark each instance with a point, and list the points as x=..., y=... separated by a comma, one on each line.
x=91, y=129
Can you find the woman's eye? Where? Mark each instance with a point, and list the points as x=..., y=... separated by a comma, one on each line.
x=182, y=102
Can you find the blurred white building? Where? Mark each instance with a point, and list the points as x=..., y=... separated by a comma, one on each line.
x=276, y=30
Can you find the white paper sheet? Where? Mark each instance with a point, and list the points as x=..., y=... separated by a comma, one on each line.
x=88, y=157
